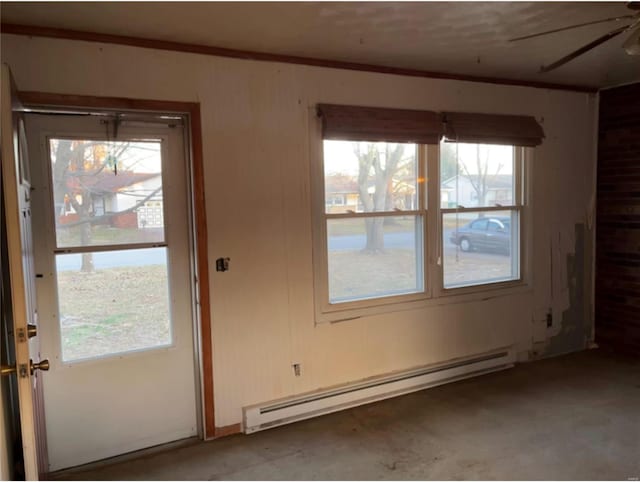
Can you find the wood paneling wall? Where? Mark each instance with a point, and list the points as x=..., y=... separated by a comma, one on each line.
x=618, y=219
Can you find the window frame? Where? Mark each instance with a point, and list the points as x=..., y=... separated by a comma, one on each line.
x=434, y=292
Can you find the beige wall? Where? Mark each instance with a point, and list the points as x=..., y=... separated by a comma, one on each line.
x=256, y=147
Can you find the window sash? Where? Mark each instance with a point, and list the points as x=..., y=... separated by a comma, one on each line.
x=321, y=252
x=107, y=246
x=420, y=254
x=519, y=199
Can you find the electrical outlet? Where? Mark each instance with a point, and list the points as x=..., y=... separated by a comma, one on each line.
x=549, y=319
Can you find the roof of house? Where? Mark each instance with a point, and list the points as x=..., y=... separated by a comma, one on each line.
x=341, y=184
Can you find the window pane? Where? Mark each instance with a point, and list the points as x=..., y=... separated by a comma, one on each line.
x=482, y=176
x=370, y=176
x=480, y=248
x=107, y=193
x=113, y=302
x=374, y=257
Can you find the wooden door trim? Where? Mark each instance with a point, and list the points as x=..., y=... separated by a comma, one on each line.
x=192, y=109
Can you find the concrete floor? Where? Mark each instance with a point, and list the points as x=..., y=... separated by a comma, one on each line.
x=572, y=417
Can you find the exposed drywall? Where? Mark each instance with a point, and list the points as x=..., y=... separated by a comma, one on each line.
x=256, y=139
x=576, y=323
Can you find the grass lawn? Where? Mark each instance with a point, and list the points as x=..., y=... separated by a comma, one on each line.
x=113, y=310
x=356, y=274
x=473, y=267
x=355, y=226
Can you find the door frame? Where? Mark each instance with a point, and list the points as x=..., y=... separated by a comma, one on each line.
x=195, y=160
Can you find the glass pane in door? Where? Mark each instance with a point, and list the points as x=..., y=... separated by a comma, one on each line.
x=106, y=192
x=113, y=302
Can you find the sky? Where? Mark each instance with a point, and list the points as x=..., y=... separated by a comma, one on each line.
x=140, y=156
x=340, y=158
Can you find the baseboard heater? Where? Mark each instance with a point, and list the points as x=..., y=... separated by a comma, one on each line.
x=280, y=412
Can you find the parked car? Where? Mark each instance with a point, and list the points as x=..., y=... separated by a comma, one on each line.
x=484, y=234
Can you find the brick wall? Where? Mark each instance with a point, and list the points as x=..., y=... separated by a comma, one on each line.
x=617, y=294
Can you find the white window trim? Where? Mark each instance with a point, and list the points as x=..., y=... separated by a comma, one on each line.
x=434, y=293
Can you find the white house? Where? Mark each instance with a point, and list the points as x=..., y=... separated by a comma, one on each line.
x=497, y=189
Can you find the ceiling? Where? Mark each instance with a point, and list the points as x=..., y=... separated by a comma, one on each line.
x=468, y=38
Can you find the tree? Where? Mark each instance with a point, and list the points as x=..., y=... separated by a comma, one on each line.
x=377, y=164
x=480, y=181
x=76, y=165
x=72, y=163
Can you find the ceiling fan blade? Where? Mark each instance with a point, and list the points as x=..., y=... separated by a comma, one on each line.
x=621, y=17
x=583, y=49
x=632, y=44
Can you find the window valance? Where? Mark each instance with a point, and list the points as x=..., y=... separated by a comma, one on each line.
x=377, y=124
x=514, y=130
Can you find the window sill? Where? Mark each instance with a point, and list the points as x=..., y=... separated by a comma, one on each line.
x=445, y=297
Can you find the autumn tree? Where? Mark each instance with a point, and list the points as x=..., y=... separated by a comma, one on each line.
x=70, y=167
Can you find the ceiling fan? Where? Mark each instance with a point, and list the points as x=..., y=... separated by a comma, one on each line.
x=631, y=45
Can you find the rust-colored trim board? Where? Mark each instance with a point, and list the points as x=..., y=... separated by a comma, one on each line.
x=202, y=262
x=228, y=430
x=36, y=31
x=42, y=99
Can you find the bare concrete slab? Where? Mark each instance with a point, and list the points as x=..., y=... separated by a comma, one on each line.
x=572, y=417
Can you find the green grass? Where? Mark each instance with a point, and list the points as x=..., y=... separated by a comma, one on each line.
x=113, y=310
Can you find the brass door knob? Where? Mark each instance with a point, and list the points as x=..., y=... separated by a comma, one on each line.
x=41, y=365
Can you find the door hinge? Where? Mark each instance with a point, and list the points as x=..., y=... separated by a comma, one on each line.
x=21, y=335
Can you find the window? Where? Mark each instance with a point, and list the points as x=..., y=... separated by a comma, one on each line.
x=480, y=234
x=110, y=247
x=375, y=246
x=418, y=217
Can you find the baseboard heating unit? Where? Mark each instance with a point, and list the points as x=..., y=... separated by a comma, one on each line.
x=280, y=412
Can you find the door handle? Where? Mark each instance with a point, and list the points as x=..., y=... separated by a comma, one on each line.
x=41, y=365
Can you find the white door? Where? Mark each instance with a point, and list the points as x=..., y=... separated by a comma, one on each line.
x=113, y=264
x=19, y=306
